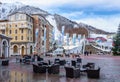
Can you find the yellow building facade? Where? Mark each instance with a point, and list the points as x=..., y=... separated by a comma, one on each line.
x=19, y=27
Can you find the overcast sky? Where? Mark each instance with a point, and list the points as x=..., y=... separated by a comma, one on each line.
x=103, y=14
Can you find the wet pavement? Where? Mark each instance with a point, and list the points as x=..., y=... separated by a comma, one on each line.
x=16, y=72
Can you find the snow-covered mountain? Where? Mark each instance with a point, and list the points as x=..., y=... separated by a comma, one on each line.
x=32, y=10
x=56, y=20
x=7, y=8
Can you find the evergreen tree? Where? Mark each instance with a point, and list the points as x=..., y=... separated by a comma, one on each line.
x=116, y=43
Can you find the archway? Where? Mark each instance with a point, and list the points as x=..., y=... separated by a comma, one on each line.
x=22, y=51
x=31, y=50
x=4, y=48
x=15, y=49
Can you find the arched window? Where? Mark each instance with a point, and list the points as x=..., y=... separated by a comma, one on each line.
x=15, y=49
x=10, y=31
x=21, y=37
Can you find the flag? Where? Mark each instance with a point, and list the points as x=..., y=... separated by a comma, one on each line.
x=67, y=34
x=79, y=37
x=53, y=35
x=44, y=39
x=74, y=39
x=62, y=38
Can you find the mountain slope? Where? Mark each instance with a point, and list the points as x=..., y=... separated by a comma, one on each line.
x=62, y=21
x=58, y=20
x=7, y=8
x=32, y=10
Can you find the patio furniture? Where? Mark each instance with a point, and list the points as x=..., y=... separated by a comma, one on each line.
x=93, y=73
x=72, y=72
x=57, y=61
x=89, y=65
x=39, y=69
x=62, y=62
x=39, y=58
x=5, y=62
x=73, y=63
x=78, y=62
x=54, y=69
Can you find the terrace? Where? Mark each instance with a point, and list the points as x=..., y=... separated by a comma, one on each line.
x=22, y=72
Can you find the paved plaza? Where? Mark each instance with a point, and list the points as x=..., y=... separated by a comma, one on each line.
x=16, y=72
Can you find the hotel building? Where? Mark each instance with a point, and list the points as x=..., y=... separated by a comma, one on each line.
x=29, y=33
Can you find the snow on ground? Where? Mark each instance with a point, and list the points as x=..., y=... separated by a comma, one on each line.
x=52, y=21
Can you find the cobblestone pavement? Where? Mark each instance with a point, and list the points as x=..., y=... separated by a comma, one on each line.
x=16, y=72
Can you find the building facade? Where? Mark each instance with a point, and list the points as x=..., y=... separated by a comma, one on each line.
x=29, y=33
x=4, y=46
x=19, y=27
x=43, y=34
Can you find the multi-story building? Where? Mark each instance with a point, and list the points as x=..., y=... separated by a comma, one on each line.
x=19, y=27
x=43, y=34
x=29, y=33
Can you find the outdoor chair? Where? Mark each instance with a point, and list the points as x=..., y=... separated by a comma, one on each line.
x=5, y=62
x=79, y=62
x=39, y=58
x=54, y=69
x=93, y=73
x=73, y=63
x=62, y=62
x=39, y=69
x=89, y=65
x=57, y=61
x=72, y=72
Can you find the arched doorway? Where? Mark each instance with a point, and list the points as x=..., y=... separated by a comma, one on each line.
x=4, y=48
x=23, y=50
x=31, y=50
x=15, y=49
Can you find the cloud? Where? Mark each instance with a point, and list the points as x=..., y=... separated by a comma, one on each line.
x=78, y=3
x=109, y=23
x=102, y=14
x=73, y=15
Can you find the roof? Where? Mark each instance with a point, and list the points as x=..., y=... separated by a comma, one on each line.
x=101, y=38
x=3, y=20
x=20, y=13
x=90, y=39
x=4, y=36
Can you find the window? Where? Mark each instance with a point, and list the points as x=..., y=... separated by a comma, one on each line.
x=28, y=38
x=15, y=37
x=22, y=31
x=15, y=48
x=16, y=16
x=15, y=25
x=3, y=32
x=10, y=31
x=42, y=32
x=42, y=42
x=9, y=25
x=22, y=25
x=21, y=37
x=15, y=31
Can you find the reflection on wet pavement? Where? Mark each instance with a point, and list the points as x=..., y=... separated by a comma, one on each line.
x=16, y=72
